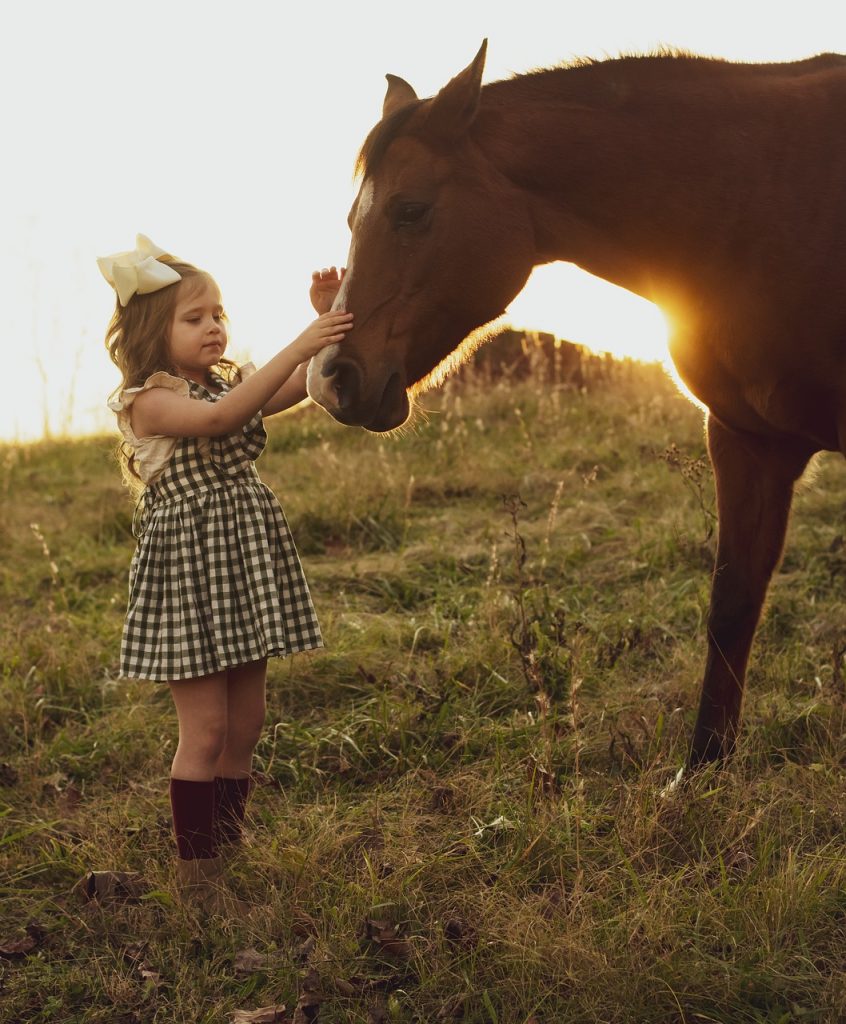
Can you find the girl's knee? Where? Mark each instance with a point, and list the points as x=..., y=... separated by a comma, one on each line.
x=205, y=743
x=245, y=731
x=245, y=738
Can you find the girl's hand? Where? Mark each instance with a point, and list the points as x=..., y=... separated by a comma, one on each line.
x=324, y=287
x=327, y=329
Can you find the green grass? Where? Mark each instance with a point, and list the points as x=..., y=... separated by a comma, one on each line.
x=513, y=594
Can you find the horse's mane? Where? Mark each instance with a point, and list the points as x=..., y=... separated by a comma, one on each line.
x=381, y=136
x=589, y=80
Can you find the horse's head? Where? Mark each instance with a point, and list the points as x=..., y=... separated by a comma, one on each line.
x=441, y=243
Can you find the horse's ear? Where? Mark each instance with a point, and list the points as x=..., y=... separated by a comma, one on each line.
x=455, y=106
x=399, y=94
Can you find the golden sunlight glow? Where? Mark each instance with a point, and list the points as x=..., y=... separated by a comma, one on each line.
x=562, y=300
x=565, y=301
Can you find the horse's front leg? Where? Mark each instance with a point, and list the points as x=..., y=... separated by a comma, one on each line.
x=754, y=479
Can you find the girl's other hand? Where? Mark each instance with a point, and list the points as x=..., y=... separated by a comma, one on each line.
x=327, y=329
x=324, y=287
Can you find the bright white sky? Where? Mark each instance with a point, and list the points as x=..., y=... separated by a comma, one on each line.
x=227, y=133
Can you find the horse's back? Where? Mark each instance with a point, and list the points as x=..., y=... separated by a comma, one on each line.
x=813, y=65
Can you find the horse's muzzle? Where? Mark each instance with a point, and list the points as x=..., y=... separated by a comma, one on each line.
x=339, y=387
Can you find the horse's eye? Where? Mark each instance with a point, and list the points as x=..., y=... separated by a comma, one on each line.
x=407, y=215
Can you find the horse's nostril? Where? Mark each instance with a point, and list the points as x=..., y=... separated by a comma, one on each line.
x=345, y=378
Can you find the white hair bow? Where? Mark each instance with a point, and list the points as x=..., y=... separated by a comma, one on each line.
x=138, y=270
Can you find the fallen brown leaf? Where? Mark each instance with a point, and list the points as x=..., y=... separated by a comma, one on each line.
x=248, y=961
x=344, y=988
x=136, y=955
x=16, y=949
x=311, y=996
x=153, y=977
x=387, y=938
x=13, y=949
x=112, y=885
x=311, y=981
x=307, y=1008
x=264, y=1015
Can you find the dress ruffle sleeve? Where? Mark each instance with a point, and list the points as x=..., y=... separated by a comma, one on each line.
x=152, y=454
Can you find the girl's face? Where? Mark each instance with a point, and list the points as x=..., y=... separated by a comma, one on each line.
x=197, y=332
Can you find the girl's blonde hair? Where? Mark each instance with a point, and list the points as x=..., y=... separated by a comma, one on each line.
x=138, y=340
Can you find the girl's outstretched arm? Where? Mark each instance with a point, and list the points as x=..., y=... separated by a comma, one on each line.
x=292, y=392
x=160, y=411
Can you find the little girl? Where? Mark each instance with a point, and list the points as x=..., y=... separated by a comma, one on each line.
x=215, y=584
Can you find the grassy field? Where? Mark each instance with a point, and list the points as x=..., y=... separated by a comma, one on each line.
x=459, y=812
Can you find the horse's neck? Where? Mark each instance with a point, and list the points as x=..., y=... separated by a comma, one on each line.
x=640, y=185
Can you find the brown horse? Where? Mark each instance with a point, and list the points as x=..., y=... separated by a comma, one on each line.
x=716, y=190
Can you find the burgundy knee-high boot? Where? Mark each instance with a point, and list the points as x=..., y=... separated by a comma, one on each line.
x=198, y=867
x=231, y=803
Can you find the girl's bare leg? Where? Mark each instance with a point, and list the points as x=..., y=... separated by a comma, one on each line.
x=202, y=710
x=246, y=709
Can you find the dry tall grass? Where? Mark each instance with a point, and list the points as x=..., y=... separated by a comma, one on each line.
x=459, y=814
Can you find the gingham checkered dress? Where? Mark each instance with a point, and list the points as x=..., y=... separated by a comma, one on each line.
x=215, y=580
